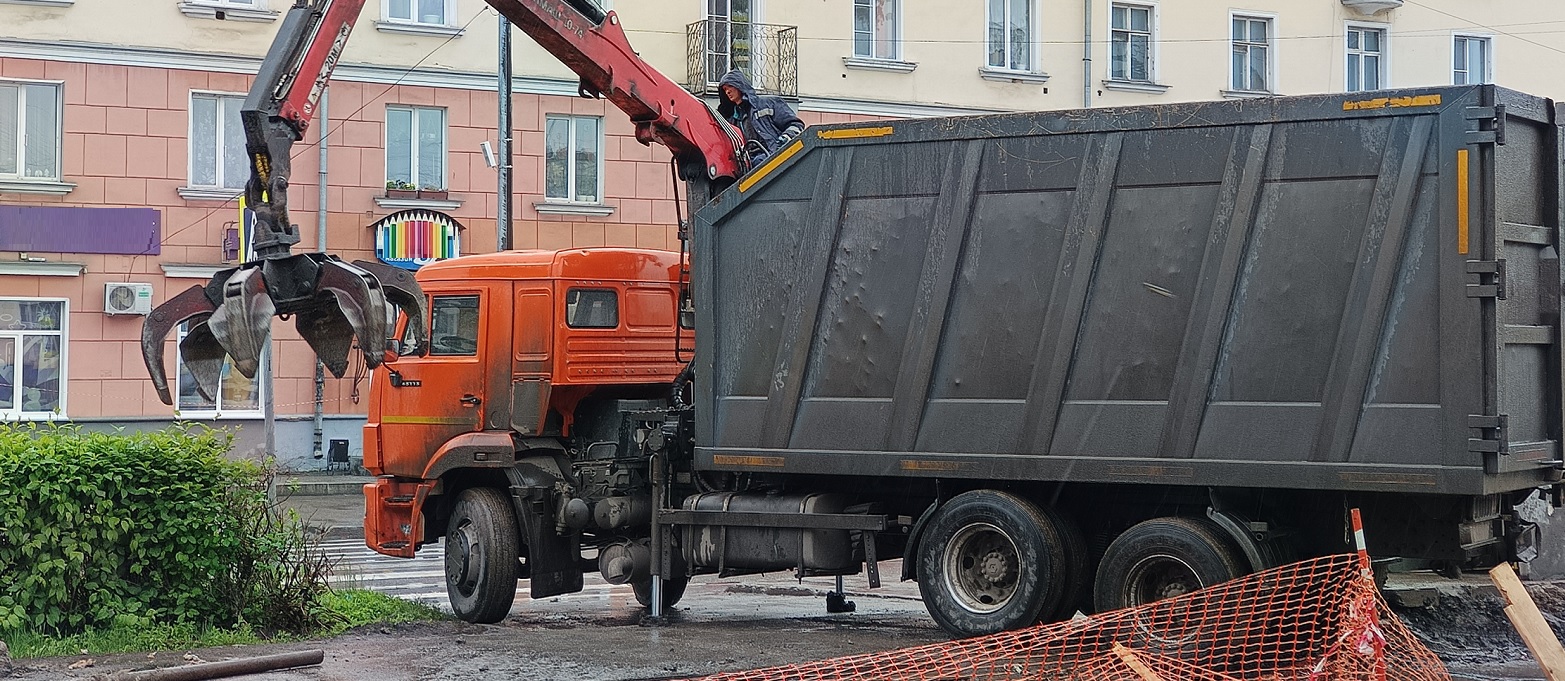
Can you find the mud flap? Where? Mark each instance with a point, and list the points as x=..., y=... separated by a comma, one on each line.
x=552, y=559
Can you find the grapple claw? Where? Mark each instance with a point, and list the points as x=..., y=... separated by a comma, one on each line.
x=203, y=357
x=402, y=290
x=329, y=334
x=192, y=303
x=243, y=323
x=360, y=302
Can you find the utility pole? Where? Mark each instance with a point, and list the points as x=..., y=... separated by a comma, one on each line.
x=503, y=205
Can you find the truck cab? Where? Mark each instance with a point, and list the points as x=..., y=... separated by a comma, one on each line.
x=532, y=355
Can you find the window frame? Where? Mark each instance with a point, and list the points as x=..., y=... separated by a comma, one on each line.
x=570, y=170
x=896, y=31
x=478, y=323
x=21, y=131
x=190, y=140
x=413, y=153
x=1488, y=65
x=1153, y=48
x=1271, y=50
x=64, y=334
x=445, y=14
x=216, y=412
x=1384, y=54
x=1031, y=65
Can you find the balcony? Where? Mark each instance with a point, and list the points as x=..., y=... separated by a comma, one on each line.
x=768, y=54
x=1371, y=6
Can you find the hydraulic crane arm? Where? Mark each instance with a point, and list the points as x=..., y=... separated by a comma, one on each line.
x=335, y=303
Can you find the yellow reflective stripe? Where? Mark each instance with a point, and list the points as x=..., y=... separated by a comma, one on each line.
x=784, y=155
x=1461, y=201
x=853, y=133
x=733, y=460
x=430, y=420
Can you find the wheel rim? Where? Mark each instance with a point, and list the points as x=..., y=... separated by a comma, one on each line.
x=463, y=556
x=1159, y=577
x=981, y=568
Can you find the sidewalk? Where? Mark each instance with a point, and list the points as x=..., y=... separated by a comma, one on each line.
x=330, y=503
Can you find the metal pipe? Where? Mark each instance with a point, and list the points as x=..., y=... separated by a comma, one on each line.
x=320, y=245
x=242, y=666
x=658, y=572
x=503, y=201
x=1086, y=54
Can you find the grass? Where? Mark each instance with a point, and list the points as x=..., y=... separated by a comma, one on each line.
x=351, y=608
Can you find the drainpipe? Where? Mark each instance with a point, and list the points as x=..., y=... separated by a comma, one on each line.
x=503, y=201
x=1086, y=54
x=320, y=245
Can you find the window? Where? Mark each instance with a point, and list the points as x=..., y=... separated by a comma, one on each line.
x=32, y=358
x=1252, y=38
x=453, y=327
x=217, y=142
x=236, y=395
x=875, y=29
x=29, y=130
x=432, y=12
x=1366, y=58
x=1130, y=43
x=1010, y=34
x=416, y=147
x=591, y=309
x=1470, y=61
x=573, y=159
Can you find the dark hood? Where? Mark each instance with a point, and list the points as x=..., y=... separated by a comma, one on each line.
x=746, y=91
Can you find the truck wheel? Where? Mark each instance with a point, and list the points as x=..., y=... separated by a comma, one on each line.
x=481, y=556
x=1163, y=558
x=991, y=561
x=1077, y=583
x=673, y=590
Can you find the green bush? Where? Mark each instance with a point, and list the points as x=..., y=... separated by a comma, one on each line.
x=119, y=530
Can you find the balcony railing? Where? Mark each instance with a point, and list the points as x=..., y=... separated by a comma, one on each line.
x=768, y=54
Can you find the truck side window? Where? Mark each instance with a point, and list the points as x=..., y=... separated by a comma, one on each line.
x=591, y=309
x=453, y=327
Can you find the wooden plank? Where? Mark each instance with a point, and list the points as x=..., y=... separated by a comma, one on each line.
x=1529, y=622
x=1135, y=663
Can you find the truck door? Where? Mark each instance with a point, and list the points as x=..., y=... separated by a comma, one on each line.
x=436, y=397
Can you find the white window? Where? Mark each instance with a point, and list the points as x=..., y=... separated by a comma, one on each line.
x=573, y=159
x=32, y=358
x=415, y=148
x=217, y=142
x=236, y=395
x=875, y=32
x=1366, y=58
x=1130, y=43
x=1470, y=61
x=731, y=38
x=1010, y=34
x=1252, y=54
x=431, y=12
x=29, y=130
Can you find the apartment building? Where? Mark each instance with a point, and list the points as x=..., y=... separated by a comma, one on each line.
x=121, y=157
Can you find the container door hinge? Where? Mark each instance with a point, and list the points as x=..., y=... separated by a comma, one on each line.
x=1494, y=131
x=1491, y=279
x=1493, y=439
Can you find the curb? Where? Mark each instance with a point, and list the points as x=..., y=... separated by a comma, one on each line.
x=313, y=488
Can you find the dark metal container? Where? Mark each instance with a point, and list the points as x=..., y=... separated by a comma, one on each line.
x=1342, y=292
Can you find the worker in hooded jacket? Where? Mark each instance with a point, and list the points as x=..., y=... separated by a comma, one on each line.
x=768, y=123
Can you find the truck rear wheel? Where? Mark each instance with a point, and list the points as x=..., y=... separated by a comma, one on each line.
x=1164, y=558
x=991, y=561
x=481, y=556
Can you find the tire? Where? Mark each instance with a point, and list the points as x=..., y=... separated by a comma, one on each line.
x=1163, y=558
x=991, y=561
x=1167, y=558
x=481, y=556
x=1077, y=594
x=673, y=590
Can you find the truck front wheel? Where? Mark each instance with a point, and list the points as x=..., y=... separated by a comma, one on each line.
x=991, y=561
x=481, y=556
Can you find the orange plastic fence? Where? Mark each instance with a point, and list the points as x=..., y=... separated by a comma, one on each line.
x=1316, y=620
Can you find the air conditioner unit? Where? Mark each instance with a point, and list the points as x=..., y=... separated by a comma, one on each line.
x=121, y=298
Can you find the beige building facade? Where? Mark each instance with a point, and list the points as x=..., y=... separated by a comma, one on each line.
x=121, y=157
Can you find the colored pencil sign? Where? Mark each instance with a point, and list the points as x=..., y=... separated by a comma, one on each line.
x=411, y=239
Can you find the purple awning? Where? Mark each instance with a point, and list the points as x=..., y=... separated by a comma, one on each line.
x=65, y=229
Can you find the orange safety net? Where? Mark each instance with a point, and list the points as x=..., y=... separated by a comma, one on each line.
x=1317, y=620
